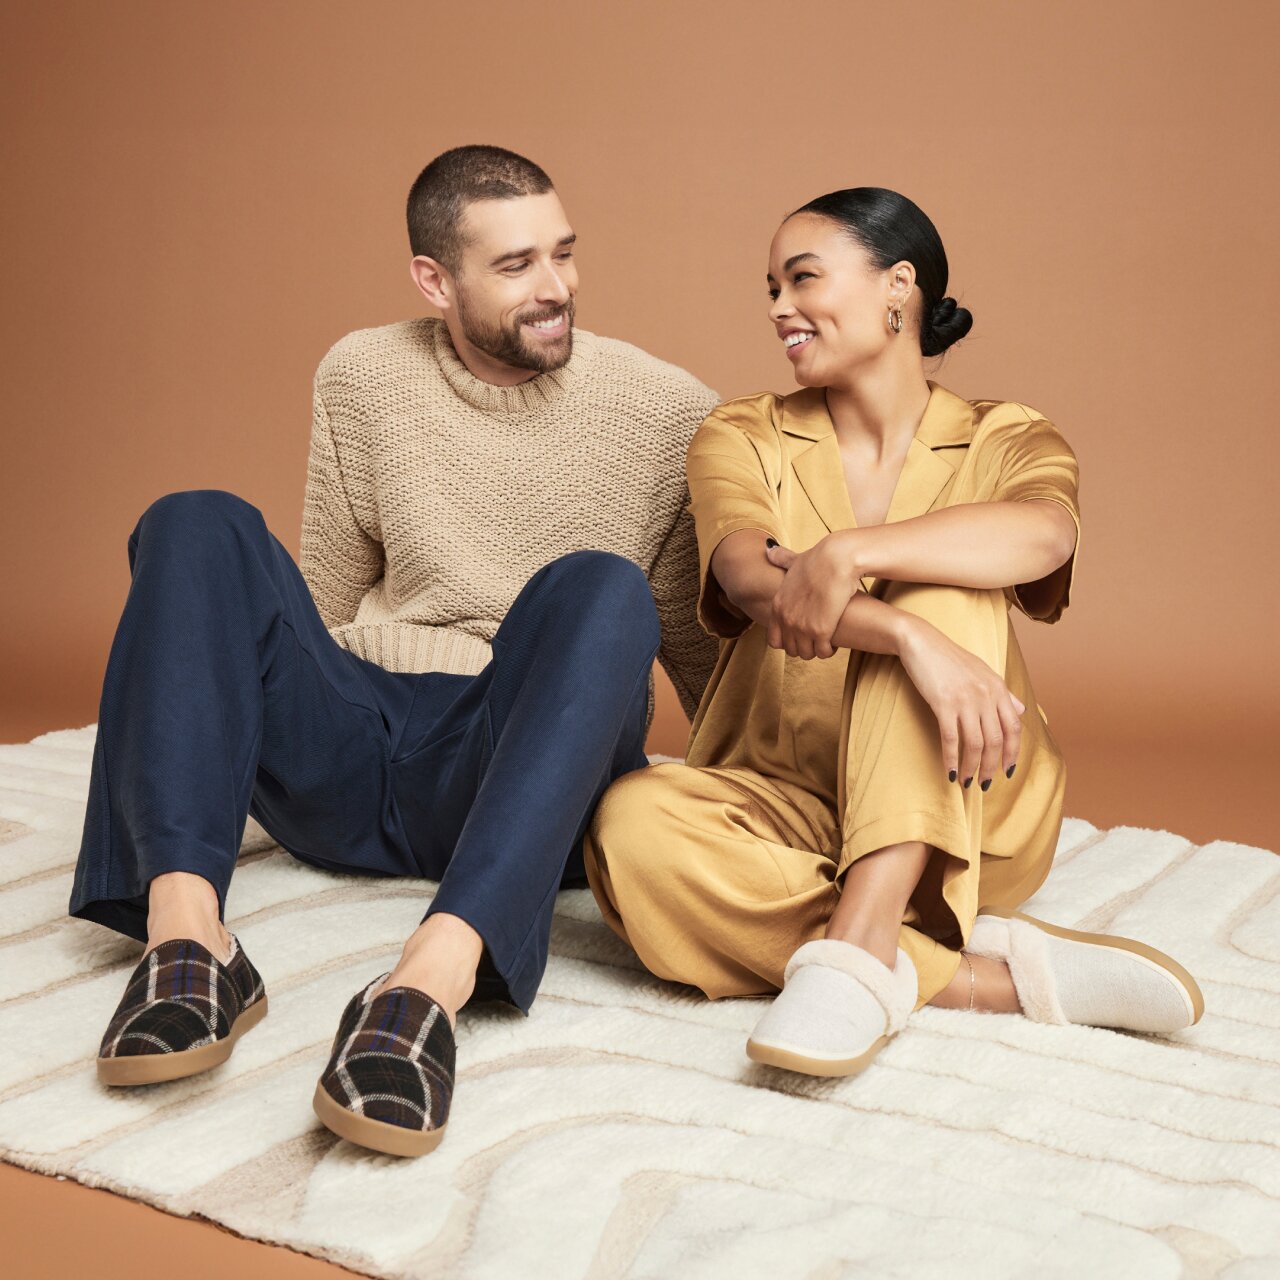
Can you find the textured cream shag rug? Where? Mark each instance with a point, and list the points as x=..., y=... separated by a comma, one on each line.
x=621, y=1131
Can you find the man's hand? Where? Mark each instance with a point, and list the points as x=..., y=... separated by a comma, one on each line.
x=808, y=605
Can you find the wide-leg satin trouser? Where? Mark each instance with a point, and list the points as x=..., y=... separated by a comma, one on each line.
x=716, y=875
x=226, y=695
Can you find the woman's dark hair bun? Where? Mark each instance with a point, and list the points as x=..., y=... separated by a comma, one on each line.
x=948, y=323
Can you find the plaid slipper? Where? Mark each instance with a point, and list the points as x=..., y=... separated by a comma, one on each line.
x=389, y=1081
x=181, y=1013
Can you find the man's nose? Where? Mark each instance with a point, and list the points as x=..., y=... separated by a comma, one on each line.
x=552, y=287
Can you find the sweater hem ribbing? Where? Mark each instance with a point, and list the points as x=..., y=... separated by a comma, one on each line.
x=415, y=648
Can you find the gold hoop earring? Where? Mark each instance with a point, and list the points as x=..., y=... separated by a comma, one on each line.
x=895, y=319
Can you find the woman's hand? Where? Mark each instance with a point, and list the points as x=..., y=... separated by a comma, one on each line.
x=978, y=718
x=819, y=584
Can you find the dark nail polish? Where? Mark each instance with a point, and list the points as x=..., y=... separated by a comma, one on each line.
x=770, y=542
x=951, y=777
x=1008, y=773
x=967, y=781
x=986, y=784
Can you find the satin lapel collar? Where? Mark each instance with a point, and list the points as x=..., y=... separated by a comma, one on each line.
x=924, y=475
x=947, y=421
x=820, y=470
x=817, y=465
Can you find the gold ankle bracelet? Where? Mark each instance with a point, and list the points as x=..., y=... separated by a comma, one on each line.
x=973, y=981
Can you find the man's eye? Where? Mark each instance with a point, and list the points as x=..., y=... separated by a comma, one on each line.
x=515, y=267
x=565, y=255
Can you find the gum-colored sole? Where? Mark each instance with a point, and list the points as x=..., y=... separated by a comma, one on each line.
x=772, y=1056
x=390, y=1139
x=1158, y=958
x=154, y=1068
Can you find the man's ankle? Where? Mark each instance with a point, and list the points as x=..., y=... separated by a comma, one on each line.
x=440, y=958
x=449, y=992
x=181, y=904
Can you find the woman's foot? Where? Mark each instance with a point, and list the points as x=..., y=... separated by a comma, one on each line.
x=1066, y=976
x=839, y=1006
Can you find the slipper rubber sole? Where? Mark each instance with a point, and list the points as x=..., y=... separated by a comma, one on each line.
x=155, y=1068
x=772, y=1055
x=390, y=1139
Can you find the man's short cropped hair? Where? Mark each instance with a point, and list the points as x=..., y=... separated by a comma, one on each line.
x=442, y=191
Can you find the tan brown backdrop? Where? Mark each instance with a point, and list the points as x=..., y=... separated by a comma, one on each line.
x=199, y=200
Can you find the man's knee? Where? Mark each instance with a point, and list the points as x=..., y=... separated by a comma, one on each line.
x=606, y=585
x=196, y=513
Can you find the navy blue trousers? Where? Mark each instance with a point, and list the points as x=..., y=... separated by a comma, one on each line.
x=225, y=695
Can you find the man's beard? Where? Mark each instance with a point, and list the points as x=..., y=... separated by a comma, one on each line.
x=512, y=347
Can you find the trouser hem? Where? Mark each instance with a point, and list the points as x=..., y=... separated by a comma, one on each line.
x=125, y=915
x=126, y=911
x=899, y=828
x=516, y=981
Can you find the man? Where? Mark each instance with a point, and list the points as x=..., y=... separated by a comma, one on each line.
x=495, y=546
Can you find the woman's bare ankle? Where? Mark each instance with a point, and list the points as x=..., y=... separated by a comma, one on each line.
x=989, y=984
x=876, y=940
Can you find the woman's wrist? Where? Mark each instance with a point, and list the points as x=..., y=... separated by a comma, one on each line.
x=844, y=548
x=911, y=633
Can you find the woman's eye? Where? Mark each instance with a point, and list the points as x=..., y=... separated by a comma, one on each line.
x=773, y=295
x=800, y=275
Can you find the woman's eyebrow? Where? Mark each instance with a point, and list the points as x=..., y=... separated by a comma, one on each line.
x=791, y=262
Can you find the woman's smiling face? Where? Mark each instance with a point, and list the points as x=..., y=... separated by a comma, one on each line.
x=830, y=305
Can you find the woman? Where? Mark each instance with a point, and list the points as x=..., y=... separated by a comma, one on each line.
x=861, y=543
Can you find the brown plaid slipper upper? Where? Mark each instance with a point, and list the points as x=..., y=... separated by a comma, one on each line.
x=389, y=1081
x=181, y=1013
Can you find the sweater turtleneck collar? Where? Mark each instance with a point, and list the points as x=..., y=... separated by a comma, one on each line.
x=525, y=397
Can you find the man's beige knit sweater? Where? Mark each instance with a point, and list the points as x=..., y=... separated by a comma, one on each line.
x=432, y=497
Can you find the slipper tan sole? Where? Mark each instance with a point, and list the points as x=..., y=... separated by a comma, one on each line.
x=772, y=1056
x=390, y=1139
x=154, y=1068
x=1195, y=998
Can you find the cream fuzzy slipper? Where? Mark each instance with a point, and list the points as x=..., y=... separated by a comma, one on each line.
x=1091, y=979
x=839, y=1006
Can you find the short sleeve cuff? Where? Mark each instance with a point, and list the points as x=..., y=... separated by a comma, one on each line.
x=1046, y=599
x=716, y=614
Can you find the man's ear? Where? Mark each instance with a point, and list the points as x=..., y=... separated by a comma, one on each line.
x=433, y=281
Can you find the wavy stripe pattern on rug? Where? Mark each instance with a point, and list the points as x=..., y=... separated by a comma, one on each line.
x=621, y=1131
